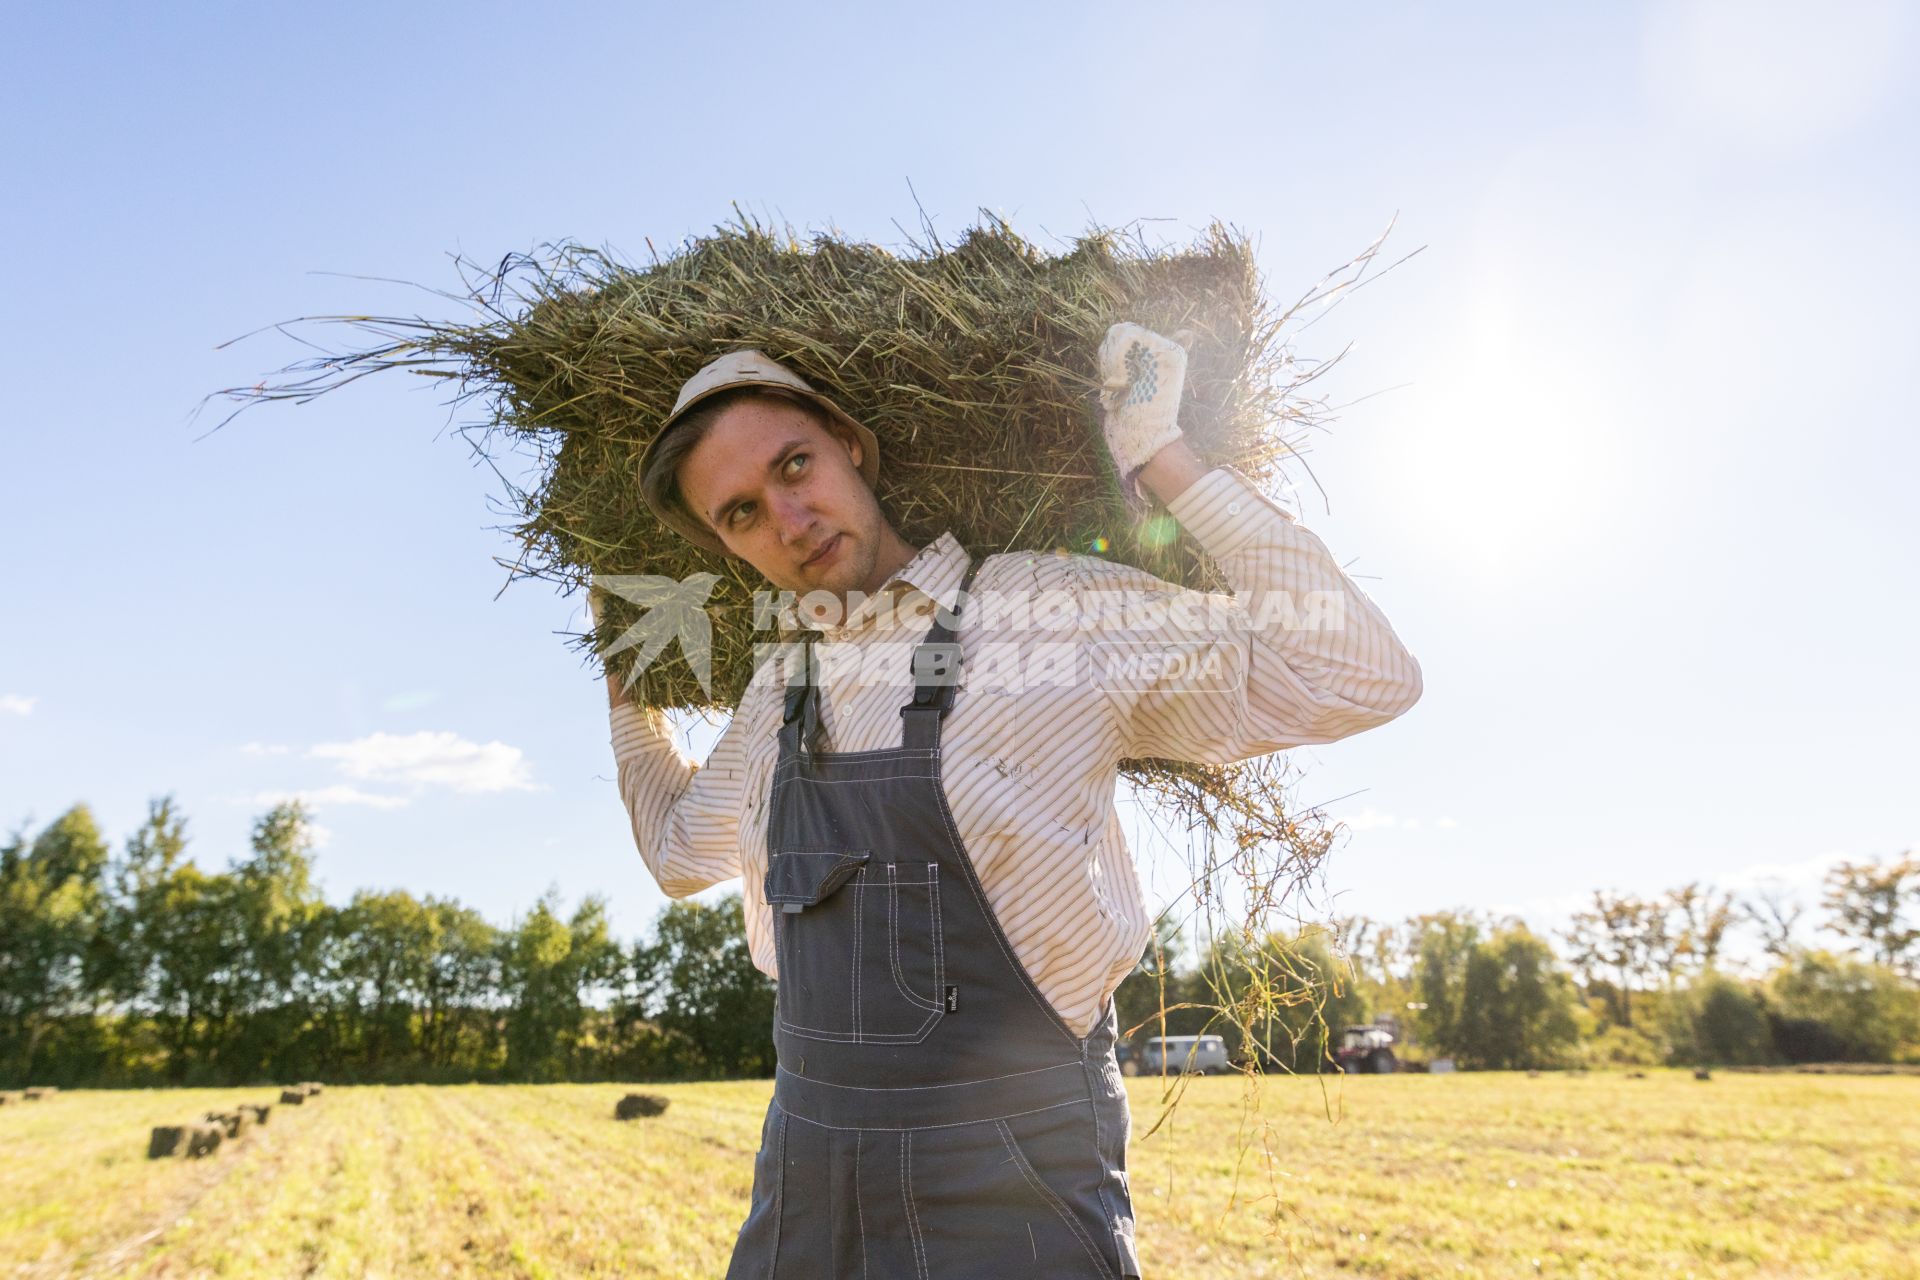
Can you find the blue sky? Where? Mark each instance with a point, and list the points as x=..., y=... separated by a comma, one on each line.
x=1636, y=486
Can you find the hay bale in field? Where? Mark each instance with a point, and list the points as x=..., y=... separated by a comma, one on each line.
x=1701, y=1073
x=204, y=1140
x=312, y=1088
x=37, y=1093
x=637, y=1106
x=260, y=1110
x=10, y=1097
x=293, y=1097
x=168, y=1140
x=233, y=1123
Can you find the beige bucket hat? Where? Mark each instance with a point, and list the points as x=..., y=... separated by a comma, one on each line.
x=747, y=369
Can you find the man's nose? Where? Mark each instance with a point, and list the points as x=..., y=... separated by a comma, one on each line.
x=793, y=518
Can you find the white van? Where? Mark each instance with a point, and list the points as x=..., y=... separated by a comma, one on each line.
x=1203, y=1055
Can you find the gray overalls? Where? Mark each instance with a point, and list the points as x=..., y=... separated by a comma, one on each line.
x=932, y=1116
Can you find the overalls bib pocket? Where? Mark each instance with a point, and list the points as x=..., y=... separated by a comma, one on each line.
x=858, y=945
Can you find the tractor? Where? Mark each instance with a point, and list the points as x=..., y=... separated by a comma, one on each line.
x=1366, y=1051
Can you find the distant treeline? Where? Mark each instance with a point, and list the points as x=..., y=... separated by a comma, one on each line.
x=142, y=968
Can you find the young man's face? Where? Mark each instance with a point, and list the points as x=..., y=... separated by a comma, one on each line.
x=786, y=495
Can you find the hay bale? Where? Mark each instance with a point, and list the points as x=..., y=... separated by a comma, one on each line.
x=293, y=1097
x=637, y=1106
x=974, y=364
x=203, y=1140
x=233, y=1123
x=1701, y=1073
x=167, y=1140
x=312, y=1088
x=10, y=1098
x=260, y=1110
x=38, y=1093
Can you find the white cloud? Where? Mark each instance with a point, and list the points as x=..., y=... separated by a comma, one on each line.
x=325, y=797
x=1804, y=875
x=440, y=759
x=1367, y=820
x=265, y=748
x=1374, y=820
x=16, y=704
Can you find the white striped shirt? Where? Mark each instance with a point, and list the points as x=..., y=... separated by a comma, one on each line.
x=1070, y=664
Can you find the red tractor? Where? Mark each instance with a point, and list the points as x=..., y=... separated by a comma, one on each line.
x=1366, y=1051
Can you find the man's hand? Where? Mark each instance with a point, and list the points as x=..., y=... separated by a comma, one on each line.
x=616, y=694
x=1141, y=377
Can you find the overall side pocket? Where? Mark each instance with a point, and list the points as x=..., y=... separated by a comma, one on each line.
x=816, y=896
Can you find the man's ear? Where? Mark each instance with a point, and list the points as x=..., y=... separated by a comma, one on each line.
x=853, y=447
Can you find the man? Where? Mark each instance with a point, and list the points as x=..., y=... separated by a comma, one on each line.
x=931, y=863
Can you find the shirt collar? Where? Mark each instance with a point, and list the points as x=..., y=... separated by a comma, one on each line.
x=934, y=574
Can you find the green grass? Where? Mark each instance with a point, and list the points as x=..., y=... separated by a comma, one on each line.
x=1410, y=1176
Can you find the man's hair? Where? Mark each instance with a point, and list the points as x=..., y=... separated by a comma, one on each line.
x=661, y=480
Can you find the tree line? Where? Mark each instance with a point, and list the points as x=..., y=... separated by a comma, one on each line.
x=140, y=967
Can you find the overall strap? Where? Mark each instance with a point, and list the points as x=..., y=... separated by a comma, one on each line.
x=800, y=718
x=935, y=666
x=936, y=670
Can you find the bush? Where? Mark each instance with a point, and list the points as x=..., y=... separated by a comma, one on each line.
x=1621, y=1046
x=1843, y=1009
x=1719, y=1021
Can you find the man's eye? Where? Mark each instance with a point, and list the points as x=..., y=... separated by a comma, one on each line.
x=741, y=514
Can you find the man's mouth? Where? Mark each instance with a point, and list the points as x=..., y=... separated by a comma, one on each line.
x=828, y=549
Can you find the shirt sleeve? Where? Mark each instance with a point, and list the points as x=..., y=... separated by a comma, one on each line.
x=685, y=816
x=1297, y=653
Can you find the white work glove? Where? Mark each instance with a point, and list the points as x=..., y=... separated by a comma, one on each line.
x=1141, y=377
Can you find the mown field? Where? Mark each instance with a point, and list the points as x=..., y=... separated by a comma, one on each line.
x=1411, y=1176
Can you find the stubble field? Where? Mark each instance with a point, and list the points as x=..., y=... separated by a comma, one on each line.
x=1411, y=1176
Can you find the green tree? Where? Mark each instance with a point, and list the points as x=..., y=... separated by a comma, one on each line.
x=462, y=990
x=386, y=971
x=272, y=923
x=1719, y=1021
x=1625, y=936
x=698, y=982
x=1872, y=903
x=1516, y=1006
x=52, y=908
x=1701, y=917
x=1443, y=943
x=549, y=968
x=1868, y=1009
